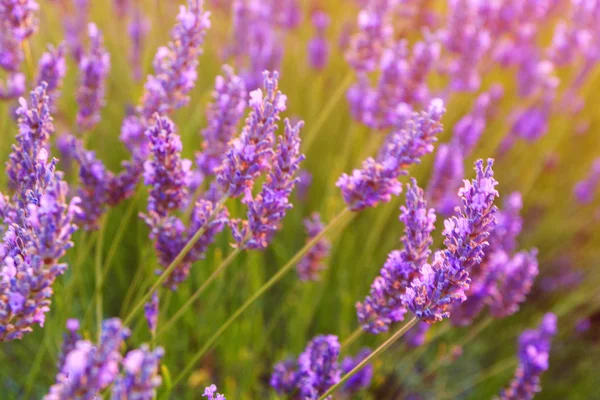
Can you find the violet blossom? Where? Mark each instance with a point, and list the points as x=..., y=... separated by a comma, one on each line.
x=312, y=263
x=139, y=378
x=51, y=69
x=318, y=47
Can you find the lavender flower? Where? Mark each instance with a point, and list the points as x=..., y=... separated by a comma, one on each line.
x=385, y=305
x=267, y=209
x=585, y=189
x=313, y=262
x=223, y=115
x=151, y=312
x=166, y=173
x=304, y=181
x=19, y=17
x=51, y=69
x=445, y=281
x=210, y=392
x=75, y=22
x=534, y=349
x=140, y=376
x=318, y=366
x=416, y=336
x=94, y=67
x=377, y=181
x=362, y=379
x=13, y=87
x=318, y=47
x=138, y=29
x=285, y=377
x=70, y=339
x=250, y=154
x=446, y=178
x=89, y=369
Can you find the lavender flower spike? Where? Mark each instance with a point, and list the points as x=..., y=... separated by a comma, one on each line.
x=362, y=379
x=285, y=377
x=223, y=115
x=445, y=281
x=586, y=189
x=20, y=18
x=318, y=366
x=534, y=350
x=94, y=67
x=385, y=305
x=51, y=69
x=377, y=181
x=140, y=376
x=211, y=393
x=312, y=263
x=151, y=312
x=250, y=154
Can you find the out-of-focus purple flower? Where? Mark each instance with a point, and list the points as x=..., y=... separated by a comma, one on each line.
x=166, y=172
x=75, y=22
x=384, y=305
x=51, y=69
x=93, y=67
x=416, y=336
x=268, y=208
x=138, y=29
x=285, y=377
x=140, y=378
x=304, y=181
x=14, y=86
x=19, y=17
x=444, y=282
x=313, y=262
x=211, y=393
x=70, y=339
x=362, y=379
x=89, y=369
x=377, y=181
x=151, y=312
x=534, y=352
x=223, y=116
x=446, y=178
x=318, y=47
x=121, y=7
x=318, y=366
x=251, y=153
x=586, y=189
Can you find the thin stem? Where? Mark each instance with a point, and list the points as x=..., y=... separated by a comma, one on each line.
x=496, y=369
x=201, y=289
x=28, y=57
x=355, y=335
x=98, y=273
x=117, y=238
x=186, y=249
x=326, y=111
x=399, y=333
x=276, y=278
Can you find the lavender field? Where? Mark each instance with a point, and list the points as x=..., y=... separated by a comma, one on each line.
x=299, y=199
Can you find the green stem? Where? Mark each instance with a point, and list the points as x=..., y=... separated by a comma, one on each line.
x=98, y=273
x=201, y=289
x=399, y=333
x=353, y=336
x=117, y=239
x=186, y=249
x=276, y=278
x=496, y=369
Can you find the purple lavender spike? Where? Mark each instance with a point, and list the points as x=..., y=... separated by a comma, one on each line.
x=140, y=375
x=76, y=22
x=94, y=67
x=586, y=189
x=313, y=262
x=377, y=181
x=138, y=30
x=446, y=178
x=318, y=47
x=445, y=281
x=151, y=312
x=304, y=182
x=285, y=378
x=251, y=153
x=223, y=116
x=318, y=366
x=534, y=351
x=267, y=209
x=51, y=69
x=13, y=87
x=70, y=339
x=362, y=379
x=19, y=17
x=211, y=393
x=385, y=305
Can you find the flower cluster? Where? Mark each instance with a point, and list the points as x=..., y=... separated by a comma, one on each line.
x=377, y=180
x=362, y=379
x=318, y=48
x=586, y=188
x=313, y=262
x=534, y=349
x=385, y=304
x=210, y=393
x=444, y=282
x=51, y=69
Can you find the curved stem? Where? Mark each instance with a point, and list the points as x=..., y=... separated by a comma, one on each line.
x=198, y=292
x=397, y=335
x=186, y=249
x=264, y=288
x=353, y=336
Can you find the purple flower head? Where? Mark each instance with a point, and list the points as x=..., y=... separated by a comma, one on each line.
x=138, y=29
x=534, y=351
x=268, y=208
x=377, y=181
x=362, y=379
x=445, y=281
x=313, y=262
x=586, y=189
x=250, y=154
x=166, y=172
x=446, y=179
x=531, y=123
x=151, y=312
x=19, y=18
x=70, y=339
x=89, y=369
x=211, y=393
x=223, y=116
x=304, y=181
x=385, y=305
x=318, y=47
x=121, y=7
x=94, y=67
x=75, y=24
x=14, y=86
x=140, y=378
x=51, y=69
x=416, y=336
x=285, y=377
x=318, y=366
